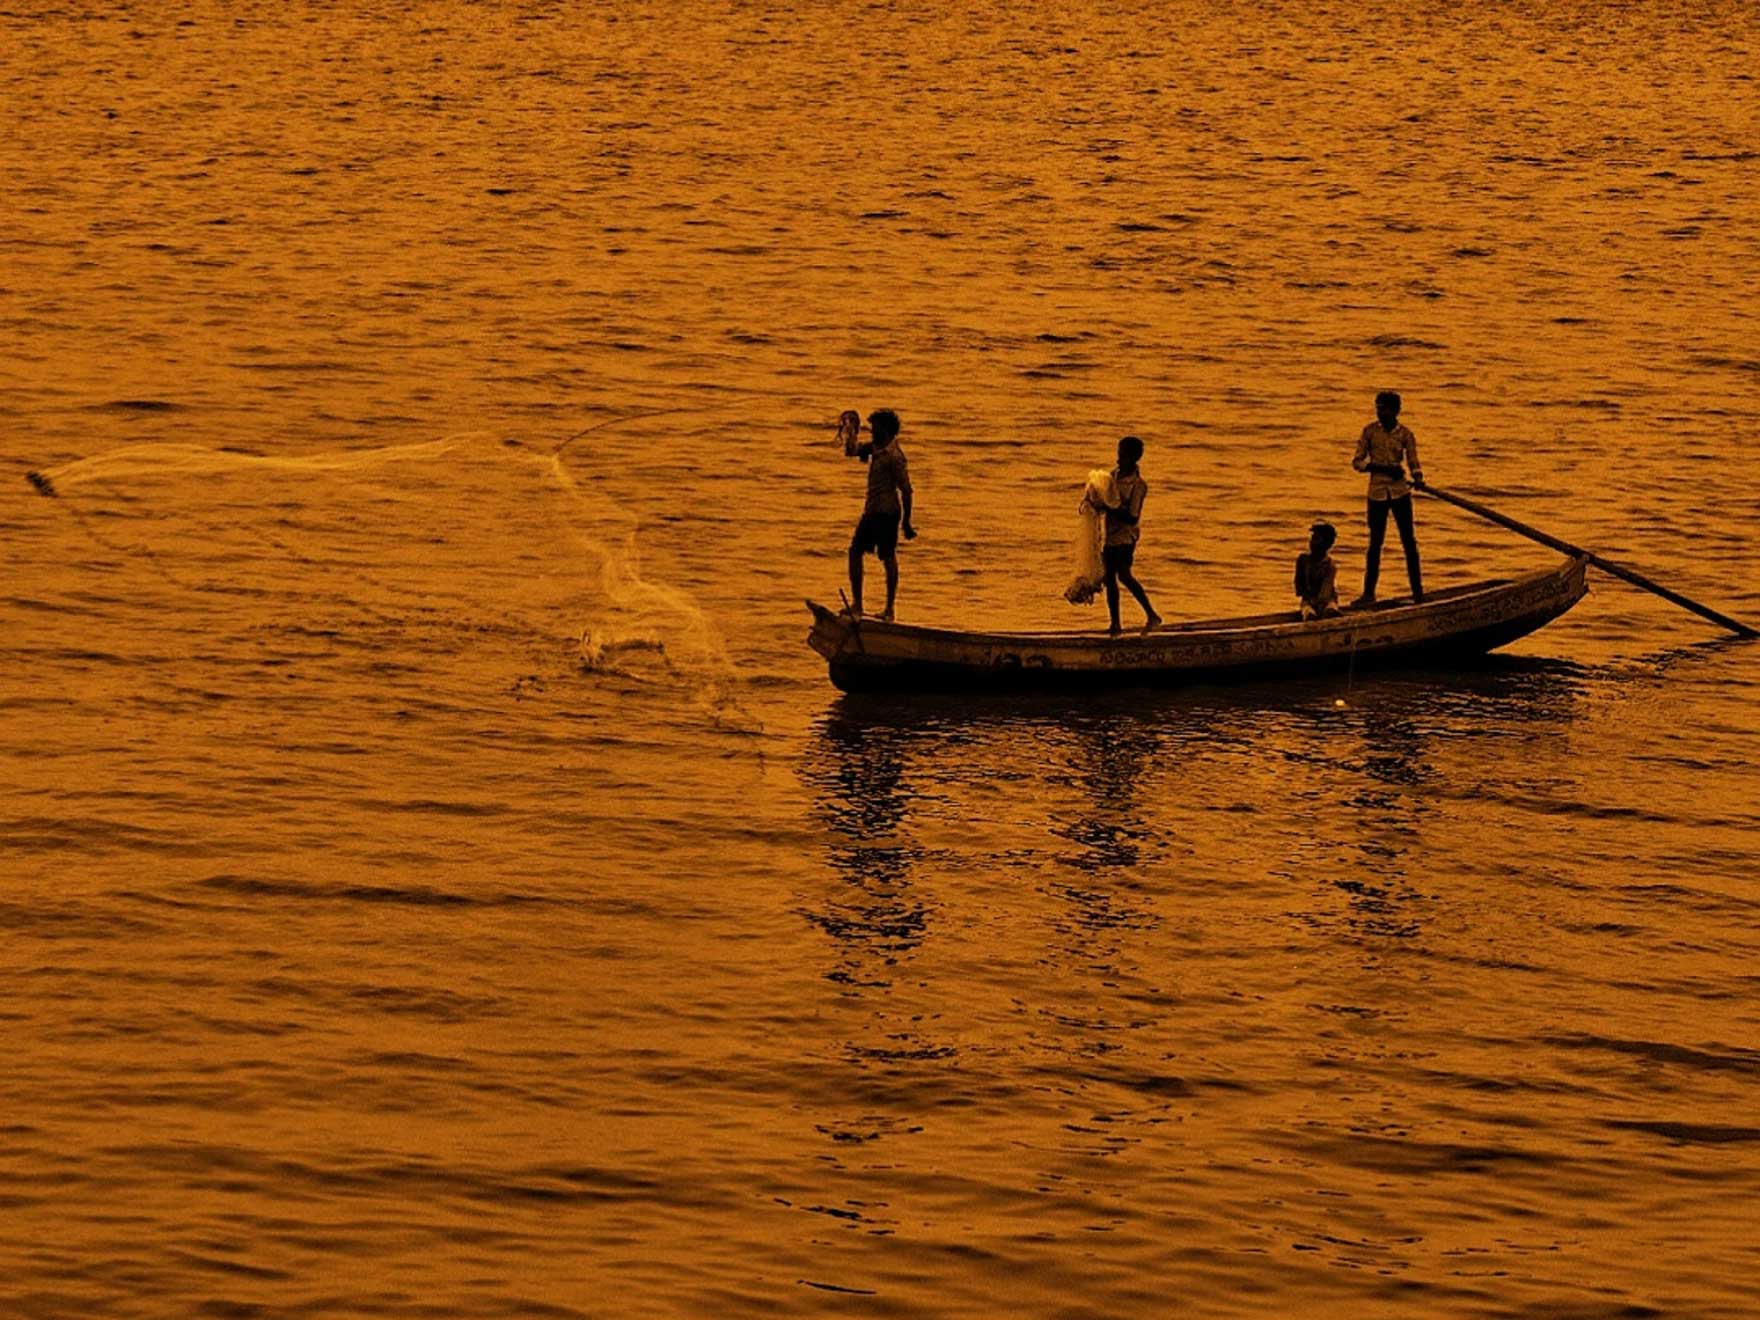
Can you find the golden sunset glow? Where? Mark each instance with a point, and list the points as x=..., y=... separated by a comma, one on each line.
x=443, y=876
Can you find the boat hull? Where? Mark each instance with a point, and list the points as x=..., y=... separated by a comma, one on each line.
x=1451, y=626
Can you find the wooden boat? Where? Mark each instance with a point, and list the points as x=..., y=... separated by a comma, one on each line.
x=1449, y=625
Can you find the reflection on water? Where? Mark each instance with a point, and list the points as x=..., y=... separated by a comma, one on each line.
x=1148, y=941
x=1109, y=756
x=874, y=916
x=1110, y=806
x=1388, y=815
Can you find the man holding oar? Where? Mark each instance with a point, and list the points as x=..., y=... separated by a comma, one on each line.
x=1383, y=449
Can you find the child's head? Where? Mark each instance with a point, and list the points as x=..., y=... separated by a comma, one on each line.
x=1320, y=538
x=1387, y=407
x=883, y=422
x=1130, y=452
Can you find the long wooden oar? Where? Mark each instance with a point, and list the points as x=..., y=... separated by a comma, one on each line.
x=1605, y=565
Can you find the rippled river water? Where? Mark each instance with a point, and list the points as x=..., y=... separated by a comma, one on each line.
x=438, y=880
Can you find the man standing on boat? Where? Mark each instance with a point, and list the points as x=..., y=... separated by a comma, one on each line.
x=888, y=507
x=1123, y=527
x=1385, y=446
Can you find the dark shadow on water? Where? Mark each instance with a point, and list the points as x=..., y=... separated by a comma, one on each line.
x=1104, y=813
x=877, y=765
x=1108, y=760
x=874, y=760
x=1511, y=687
x=863, y=795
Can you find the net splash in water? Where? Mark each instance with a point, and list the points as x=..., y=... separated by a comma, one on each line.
x=640, y=626
x=468, y=547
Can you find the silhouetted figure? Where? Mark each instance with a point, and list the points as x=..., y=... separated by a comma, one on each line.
x=1385, y=446
x=888, y=507
x=1317, y=575
x=1123, y=527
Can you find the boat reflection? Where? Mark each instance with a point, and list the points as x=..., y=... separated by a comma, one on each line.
x=1092, y=799
x=863, y=799
x=1110, y=754
x=1075, y=870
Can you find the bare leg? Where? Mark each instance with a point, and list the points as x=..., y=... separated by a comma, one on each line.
x=891, y=564
x=1111, y=580
x=855, y=579
x=1136, y=589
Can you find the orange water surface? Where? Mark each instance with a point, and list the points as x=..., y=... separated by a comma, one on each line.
x=437, y=880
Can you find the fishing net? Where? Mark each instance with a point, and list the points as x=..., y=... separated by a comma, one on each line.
x=474, y=558
x=1090, y=537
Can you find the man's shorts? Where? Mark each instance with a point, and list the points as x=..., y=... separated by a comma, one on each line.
x=1117, y=558
x=876, y=533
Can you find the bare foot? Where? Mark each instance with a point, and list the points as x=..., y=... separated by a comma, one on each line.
x=1152, y=622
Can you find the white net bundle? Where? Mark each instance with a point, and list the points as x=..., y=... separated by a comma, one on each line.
x=1090, y=536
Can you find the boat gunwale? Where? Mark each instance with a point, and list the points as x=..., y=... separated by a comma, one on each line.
x=1243, y=625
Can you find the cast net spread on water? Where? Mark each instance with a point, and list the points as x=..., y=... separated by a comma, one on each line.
x=1090, y=536
x=479, y=558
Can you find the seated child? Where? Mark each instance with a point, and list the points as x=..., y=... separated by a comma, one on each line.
x=1317, y=575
